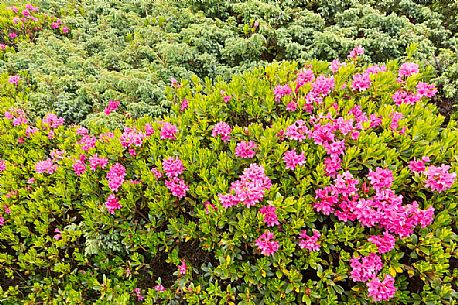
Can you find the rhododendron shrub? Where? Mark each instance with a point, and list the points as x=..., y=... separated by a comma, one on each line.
x=349, y=198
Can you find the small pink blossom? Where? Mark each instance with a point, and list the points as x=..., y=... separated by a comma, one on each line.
x=79, y=167
x=173, y=167
x=96, y=161
x=184, y=104
x=177, y=187
x=159, y=288
x=404, y=97
x=336, y=64
x=292, y=159
x=407, y=69
x=384, y=243
x=427, y=90
x=245, y=150
x=281, y=91
x=168, y=131
x=58, y=234
x=381, y=291
x=112, y=106
x=267, y=244
x=361, y=82
x=222, y=129
x=357, y=51
x=2, y=165
x=365, y=268
x=182, y=268
x=46, y=166
x=156, y=173
x=112, y=204
x=417, y=166
x=148, y=130
x=116, y=176
x=14, y=79
x=438, y=178
x=381, y=178
x=138, y=294
x=309, y=242
x=270, y=215
x=2, y=221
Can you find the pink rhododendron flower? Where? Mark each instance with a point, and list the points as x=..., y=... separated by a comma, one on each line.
x=281, y=91
x=267, y=244
x=116, y=176
x=148, y=130
x=31, y=180
x=156, y=173
x=404, y=97
x=2, y=221
x=131, y=137
x=46, y=166
x=87, y=142
x=365, y=268
x=361, y=82
x=270, y=215
x=408, y=69
x=173, y=167
x=112, y=204
x=222, y=129
x=138, y=294
x=82, y=131
x=384, y=243
x=52, y=121
x=374, y=69
x=159, y=288
x=58, y=234
x=322, y=86
x=332, y=165
x=292, y=159
x=177, y=187
x=417, y=166
x=292, y=106
x=168, y=131
x=381, y=291
x=96, y=161
x=357, y=51
x=309, y=242
x=2, y=165
x=381, y=178
x=209, y=205
x=438, y=178
x=424, y=89
x=303, y=77
x=112, y=106
x=79, y=167
x=249, y=189
x=182, y=267
x=14, y=80
x=12, y=35
x=106, y=136
x=65, y=30
x=395, y=118
x=184, y=104
x=245, y=149
x=336, y=64
x=297, y=131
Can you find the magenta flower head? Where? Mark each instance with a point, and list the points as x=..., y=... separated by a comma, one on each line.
x=222, y=129
x=267, y=244
x=381, y=291
x=14, y=79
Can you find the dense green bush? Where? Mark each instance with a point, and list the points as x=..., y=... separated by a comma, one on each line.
x=130, y=50
x=67, y=239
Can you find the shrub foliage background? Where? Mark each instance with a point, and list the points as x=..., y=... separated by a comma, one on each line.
x=60, y=243
x=129, y=50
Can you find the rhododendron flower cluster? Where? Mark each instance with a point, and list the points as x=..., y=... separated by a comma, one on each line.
x=168, y=131
x=46, y=166
x=112, y=106
x=14, y=79
x=173, y=167
x=52, y=121
x=267, y=244
x=292, y=159
x=407, y=69
x=336, y=64
x=381, y=291
x=79, y=167
x=365, y=268
x=384, y=243
x=116, y=176
x=131, y=138
x=357, y=51
x=361, y=82
x=427, y=90
x=281, y=91
x=87, y=142
x=222, y=129
x=297, y=131
x=245, y=150
x=112, y=204
x=303, y=77
x=17, y=116
x=177, y=186
x=2, y=165
x=418, y=166
x=309, y=242
x=96, y=161
x=249, y=189
x=270, y=215
x=404, y=97
x=438, y=178
x=182, y=267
